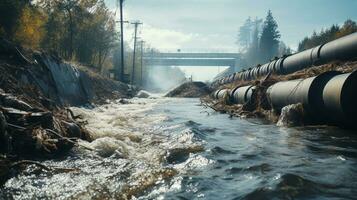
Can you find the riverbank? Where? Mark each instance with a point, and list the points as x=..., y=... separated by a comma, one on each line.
x=36, y=89
x=258, y=104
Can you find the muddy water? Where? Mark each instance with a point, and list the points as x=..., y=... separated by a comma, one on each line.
x=175, y=149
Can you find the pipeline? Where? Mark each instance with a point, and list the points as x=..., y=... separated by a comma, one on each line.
x=220, y=94
x=308, y=91
x=327, y=98
x=340, y=99
x=245, y=95
x=343, y=49
x=242, y=95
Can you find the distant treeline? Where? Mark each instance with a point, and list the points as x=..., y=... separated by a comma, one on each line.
x=80, y=30
x=260, y=40
x=328, y=35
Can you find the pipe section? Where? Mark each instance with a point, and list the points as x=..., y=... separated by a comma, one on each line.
x=340, y=99
x=341, y=49
x=243, y=95
x=344, y=48
x=308, y=91
x=220, y=94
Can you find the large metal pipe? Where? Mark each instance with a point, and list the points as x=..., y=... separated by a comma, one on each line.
x=308, y=91
x=297, y=62
x=221, y=93
x=341, y=49
x=243, y=95
x=344, y=48
x=340, y=99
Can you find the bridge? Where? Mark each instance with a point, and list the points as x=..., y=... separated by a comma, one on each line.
x=231, y=60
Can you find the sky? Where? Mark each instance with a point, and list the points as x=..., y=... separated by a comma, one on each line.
x=212, y=25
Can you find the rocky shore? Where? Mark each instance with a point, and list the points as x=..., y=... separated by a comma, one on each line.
x=36, y=90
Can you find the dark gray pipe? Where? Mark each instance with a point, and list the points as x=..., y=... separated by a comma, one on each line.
x=308, y=91
x=341, y=49
x=297, y=62
x=215, y=94
x=243, y=95
x=219, y=94
x=231, y=77
x=344, y=48
x=340, y=99
x=264, y=69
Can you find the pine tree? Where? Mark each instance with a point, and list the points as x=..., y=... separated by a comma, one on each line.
x=253, y=54
x=244, y=35
x=269, y=41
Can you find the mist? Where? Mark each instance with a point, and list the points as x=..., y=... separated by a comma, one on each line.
x=161, y=79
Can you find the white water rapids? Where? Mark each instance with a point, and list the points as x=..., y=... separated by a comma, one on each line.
x=133, y=152
x=176, y=149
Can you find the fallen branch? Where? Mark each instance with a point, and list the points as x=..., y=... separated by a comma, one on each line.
x=69, y=140
x=30, y=162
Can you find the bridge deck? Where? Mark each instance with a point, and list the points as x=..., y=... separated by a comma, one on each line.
x=192, y=55
x=191, y=62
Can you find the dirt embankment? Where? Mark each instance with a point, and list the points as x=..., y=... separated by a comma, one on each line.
x=35, y=88
x=190, y=90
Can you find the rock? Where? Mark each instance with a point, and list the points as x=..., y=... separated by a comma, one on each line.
x=143, y=94
x=3, y=134
x=72, y=129
x=291, y=115
x=123, y=101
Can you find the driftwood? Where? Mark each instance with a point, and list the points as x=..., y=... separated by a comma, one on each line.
x=29, y=132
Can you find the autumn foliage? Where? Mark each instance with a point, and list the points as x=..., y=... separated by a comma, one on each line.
x=79, y=30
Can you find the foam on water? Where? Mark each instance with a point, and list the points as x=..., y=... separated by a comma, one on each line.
x=171, y=149
x=133, y=152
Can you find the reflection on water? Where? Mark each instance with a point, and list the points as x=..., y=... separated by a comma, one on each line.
x=175, y=149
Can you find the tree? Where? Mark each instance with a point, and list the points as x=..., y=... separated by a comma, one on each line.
x=283, y=49
x=324, y=36
x=244, y=35
x=10, y=12
x=269, y=41
x=30, y=29
x=253, y=53
x=82, y=30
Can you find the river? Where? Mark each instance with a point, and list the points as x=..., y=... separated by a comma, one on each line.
x=164, y=148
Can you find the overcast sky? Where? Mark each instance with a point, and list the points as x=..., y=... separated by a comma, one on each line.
x=212, y=25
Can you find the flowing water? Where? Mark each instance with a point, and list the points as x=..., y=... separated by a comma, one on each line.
x=176, y=149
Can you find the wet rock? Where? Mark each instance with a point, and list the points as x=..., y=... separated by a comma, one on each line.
x=143, y=94
x=72, y=130
x=123, y=101
x=291, y=115
x=3, y=134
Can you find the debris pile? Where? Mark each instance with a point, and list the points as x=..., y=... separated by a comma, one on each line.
x=34, y=133
x=190, y=90
x=35, y=88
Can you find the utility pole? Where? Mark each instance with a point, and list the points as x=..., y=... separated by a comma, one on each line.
x=141, y=61
x=121, y=42
x=136, y=24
